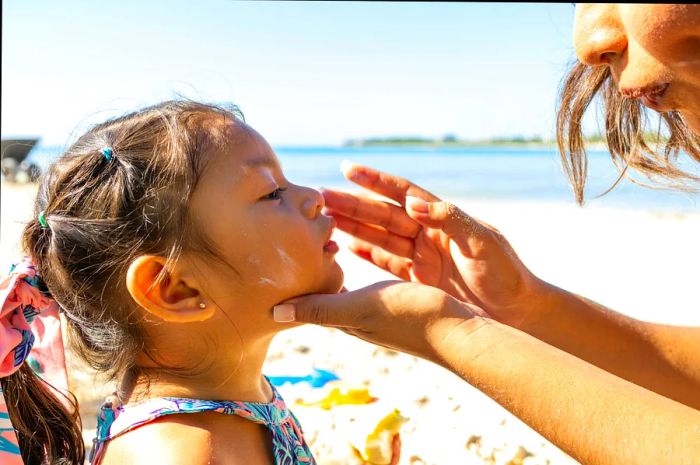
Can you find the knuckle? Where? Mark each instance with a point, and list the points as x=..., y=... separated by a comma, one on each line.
x=453, y=212
x=451, y=208
x=386, y=221
x=497, y=237
x=365, y=320
x=437, y=297
x=318, y=314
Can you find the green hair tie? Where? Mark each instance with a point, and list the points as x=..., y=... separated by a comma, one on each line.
x=42, y=219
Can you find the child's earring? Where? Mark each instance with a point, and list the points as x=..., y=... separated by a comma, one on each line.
x=202, y=305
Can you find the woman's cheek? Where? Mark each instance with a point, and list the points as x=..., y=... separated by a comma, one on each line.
x=662, y=29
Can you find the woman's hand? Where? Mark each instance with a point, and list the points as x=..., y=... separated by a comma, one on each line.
x=408, y=317
x=432, y=242
x=530, y=378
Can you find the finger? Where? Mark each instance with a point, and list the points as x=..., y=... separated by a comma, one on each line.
x=380, y=237
x=398, y=266
x=334, y=310
x=395, y=449
x=467, y=232
x=388, y=185
x=370, y=211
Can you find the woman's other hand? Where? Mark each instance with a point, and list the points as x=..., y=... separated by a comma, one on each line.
x=433, y=242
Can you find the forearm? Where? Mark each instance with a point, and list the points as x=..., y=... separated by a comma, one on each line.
x=592, y=415
x=661, y=358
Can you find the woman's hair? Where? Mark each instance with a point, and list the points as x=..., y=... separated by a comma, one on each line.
x=103, y=212
x=625, y=121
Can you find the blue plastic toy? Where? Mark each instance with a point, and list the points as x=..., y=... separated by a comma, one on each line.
x=318, y=378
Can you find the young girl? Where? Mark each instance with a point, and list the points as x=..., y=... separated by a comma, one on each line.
x=166, y=236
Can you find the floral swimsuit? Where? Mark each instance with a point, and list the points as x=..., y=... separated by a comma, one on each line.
x=288, y=444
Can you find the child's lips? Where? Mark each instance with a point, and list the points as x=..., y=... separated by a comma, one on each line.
x=330, y=246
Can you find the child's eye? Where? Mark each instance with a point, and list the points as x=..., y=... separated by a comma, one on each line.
x=274, y=195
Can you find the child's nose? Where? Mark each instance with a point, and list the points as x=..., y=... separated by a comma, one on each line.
x=313, y=203
x=599, y=36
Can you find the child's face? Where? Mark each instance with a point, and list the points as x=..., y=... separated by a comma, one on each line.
x=271, y=232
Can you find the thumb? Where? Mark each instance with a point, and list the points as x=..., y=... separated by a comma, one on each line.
x=464, y=230
x=335, y=310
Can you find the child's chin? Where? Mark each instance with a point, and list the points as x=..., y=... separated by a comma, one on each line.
x=332, y=284
x=336, y=282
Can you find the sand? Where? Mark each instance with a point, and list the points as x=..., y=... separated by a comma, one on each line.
x=640, y=263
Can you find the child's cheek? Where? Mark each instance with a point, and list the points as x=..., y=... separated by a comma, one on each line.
x=275, y=269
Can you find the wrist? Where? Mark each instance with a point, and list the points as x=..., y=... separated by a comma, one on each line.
x=446, y=335
x=544, y=299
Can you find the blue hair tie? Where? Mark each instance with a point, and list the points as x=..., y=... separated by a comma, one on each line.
x=107, y=153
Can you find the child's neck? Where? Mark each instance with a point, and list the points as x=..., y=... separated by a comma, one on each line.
x=237, y=378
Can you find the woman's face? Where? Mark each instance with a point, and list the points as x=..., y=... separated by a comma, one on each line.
x=653, y=52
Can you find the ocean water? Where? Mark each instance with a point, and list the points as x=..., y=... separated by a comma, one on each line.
x=479, y=173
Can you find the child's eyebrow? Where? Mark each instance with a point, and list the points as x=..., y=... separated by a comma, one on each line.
x=255, y=162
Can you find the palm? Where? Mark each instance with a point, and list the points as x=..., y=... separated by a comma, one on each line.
x=439, y=263
x=432, y=264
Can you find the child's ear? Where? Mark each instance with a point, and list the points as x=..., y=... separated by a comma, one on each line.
x=172, y=299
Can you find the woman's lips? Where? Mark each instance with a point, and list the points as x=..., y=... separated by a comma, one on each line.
x=650, y=96
x=651, y=101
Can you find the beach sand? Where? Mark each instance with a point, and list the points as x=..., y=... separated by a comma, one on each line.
x=640, y=263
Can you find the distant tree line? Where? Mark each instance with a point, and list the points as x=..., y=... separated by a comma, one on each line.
x=453, y=140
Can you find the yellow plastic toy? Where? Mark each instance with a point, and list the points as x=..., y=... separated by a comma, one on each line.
x=341, y=397
x=380, y=447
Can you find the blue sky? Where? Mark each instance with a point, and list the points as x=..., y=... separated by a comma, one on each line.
x=303, y=73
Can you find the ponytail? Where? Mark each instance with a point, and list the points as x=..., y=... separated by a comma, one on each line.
x=46, y=421
x=48, y=433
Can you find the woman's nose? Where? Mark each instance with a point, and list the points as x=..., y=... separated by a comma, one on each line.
x=599, y=36
x=313, y=203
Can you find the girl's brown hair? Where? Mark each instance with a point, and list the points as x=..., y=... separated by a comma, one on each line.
x=47, y=432
x=625, y=121
x=103, y=213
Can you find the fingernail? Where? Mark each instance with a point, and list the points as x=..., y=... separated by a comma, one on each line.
x=416, y=204
x=346, y=165
x=283, y=313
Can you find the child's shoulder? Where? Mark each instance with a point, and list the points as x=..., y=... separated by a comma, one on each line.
x=193, y=439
